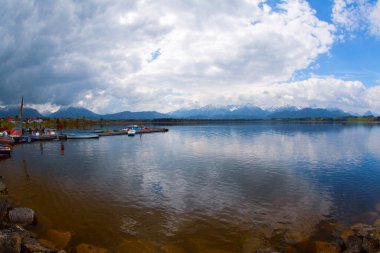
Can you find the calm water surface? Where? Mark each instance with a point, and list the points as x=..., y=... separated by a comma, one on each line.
x=200, y=187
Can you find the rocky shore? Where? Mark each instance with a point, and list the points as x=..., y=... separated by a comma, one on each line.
x=14, y=238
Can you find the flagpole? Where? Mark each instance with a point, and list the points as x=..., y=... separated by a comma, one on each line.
x=20, y=114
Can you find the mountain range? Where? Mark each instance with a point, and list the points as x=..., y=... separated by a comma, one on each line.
x=206, y=112
x=14, y=111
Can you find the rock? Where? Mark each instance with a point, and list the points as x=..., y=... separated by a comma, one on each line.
x=267, y=250
x=253, y=244
x=137, y=246
x=327, y=247
x=377, y=222
x=4, y=206
x=60, y=239
x=47, y=244
x=3, y=189
x=215, y=251
x=24, y=216
x=377, y=206
x=372, y=214
x=354, y=243
x=171, y=248
x=31, y=245
x=357, y=229
x=88, y=248
x=10, y=241
x=294, y=237
x=371, y=245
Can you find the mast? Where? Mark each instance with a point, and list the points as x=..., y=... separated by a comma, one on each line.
x=21, y=109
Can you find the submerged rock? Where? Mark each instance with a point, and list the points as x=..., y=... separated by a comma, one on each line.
x=4, y=206
x=24, y=216
x=56, y=239
x=88, y=248
x=377, y=222
x=353, y=243
x=32, y=245
x=3, y=189
x=362, y=238
x=377, y=206
x=327, y=247
x=215, y=251
x=253, y=244
x=267, y=250
x=137, y=246
x=171, y=248
x=294, y=237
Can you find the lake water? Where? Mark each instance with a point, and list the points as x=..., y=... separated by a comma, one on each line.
x=199, y=188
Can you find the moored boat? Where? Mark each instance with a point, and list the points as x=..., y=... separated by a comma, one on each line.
x=7, y=140
x=5, y=150
x=43, y=137
x=82, y=136
x=22, y=139
x=131, y=132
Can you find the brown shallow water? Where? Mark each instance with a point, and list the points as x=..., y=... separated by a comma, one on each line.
x=222, y=187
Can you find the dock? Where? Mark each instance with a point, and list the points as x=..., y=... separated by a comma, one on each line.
x=32, y=138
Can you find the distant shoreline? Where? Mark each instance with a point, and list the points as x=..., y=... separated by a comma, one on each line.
x=81, y=123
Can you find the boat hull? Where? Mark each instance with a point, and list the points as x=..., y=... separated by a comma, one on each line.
x=5, y=150
x=43, y=138
x=22, y=139
x=82, y=136
x=7, y=140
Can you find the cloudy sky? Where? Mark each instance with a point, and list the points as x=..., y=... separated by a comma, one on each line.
x=110, y=56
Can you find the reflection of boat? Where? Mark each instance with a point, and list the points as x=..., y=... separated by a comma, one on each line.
x=22, y=139
x=5, y=150
x=82, y=136
x=43, y=137
x=7, y=140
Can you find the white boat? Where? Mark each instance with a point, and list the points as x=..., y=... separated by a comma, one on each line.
x=82, y=136
x=131, y=132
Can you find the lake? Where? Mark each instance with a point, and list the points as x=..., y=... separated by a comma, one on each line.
x=199, y=188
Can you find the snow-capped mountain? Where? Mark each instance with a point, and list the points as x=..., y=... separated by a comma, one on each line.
x=253, y=112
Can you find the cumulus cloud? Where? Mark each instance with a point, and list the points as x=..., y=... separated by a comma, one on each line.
x=323, y=92
x=374, y=19
x=112, y=56
x=354, y=15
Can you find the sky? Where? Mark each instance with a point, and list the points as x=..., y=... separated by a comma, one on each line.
x=163, y=55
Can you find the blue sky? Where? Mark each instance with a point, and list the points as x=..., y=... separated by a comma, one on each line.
x=166, y=55
x=354, y=58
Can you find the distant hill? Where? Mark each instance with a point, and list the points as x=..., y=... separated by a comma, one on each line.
x=254, y=112
x=74, y=113
x=225, y=112
x=207, y=112
x=308, y=113
x=79, y=112
x=14, y=111
x=134, y=115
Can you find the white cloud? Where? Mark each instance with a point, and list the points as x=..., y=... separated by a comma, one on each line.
x=98, y=54
x=324, y=92
x=357, y=15
x=374, y=19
